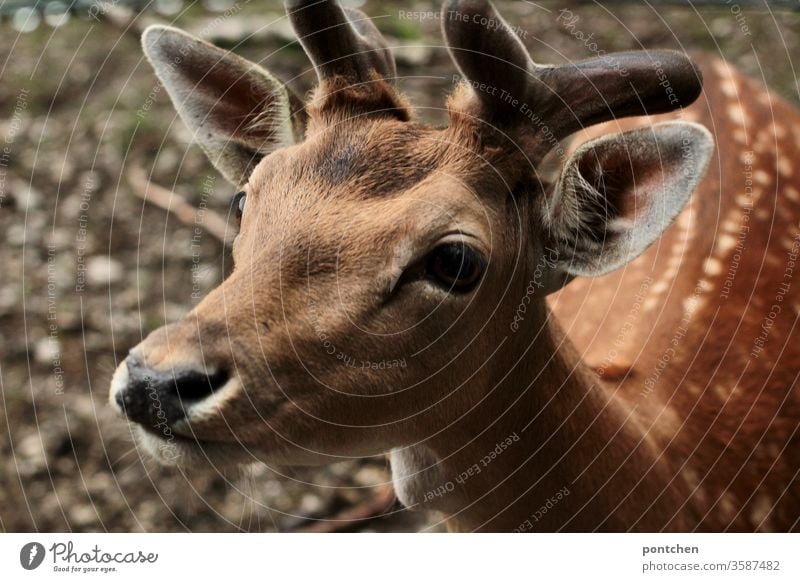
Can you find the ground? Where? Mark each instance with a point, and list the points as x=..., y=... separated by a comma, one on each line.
x=88, y=268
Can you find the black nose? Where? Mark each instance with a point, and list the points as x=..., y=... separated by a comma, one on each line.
x=157, y=399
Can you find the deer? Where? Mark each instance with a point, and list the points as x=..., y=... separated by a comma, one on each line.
x=564, y=310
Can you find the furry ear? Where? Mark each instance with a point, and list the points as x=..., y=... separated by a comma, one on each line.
x=237, y=110
x=618, y=194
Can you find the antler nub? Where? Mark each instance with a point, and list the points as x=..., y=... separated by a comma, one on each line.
x=577, y=95
x=568, y=97
x=340, y=41
x=487, y=53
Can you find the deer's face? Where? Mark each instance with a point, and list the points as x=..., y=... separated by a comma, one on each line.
x=361, y=252
x=379, y=262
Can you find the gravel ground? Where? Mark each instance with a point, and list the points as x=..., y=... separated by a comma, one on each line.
x=88, y=269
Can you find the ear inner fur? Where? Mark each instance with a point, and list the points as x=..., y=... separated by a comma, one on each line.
x=637, y=183
x=237, y=110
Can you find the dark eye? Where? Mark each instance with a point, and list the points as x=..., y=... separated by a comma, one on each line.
x=238, y=206
x=455, y=266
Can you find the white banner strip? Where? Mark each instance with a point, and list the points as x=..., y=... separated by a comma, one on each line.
x=400, y=557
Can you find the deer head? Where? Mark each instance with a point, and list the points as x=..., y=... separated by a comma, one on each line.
x=380, y=261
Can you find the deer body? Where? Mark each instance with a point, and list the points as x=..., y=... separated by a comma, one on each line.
x=686, y=454
x=529, y=399
x=699, y=333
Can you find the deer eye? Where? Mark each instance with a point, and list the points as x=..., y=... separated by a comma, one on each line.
x=455, y=266
x=238, y=206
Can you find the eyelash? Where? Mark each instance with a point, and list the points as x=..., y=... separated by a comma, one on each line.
x=454, y=267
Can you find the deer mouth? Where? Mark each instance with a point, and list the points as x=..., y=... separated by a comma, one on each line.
x=172, y=449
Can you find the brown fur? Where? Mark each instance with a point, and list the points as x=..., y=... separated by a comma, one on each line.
x=330, y=220
x=726, y=422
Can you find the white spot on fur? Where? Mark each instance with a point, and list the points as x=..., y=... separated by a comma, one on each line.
x=728, y=87
x=785, y=167
x=722, y=391
x=685, y=220
x=725, y=242
x=691, y=304
x=649, y=303
x=737, y=114
x=722, y=69
x=759, y=510
x=659, y=287
x=712, y=266
x=730, y=225
x=761, y=177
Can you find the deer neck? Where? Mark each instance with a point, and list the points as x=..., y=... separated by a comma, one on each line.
x=549, y=447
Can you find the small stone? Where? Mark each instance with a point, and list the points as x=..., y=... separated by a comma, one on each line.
x=47, y=350
x=16, y=235
x=82, y=515
x=90, y=181
x=31, y=451
x=103, y=270
x=9, y=298
x=60, y=238
x=27, y=196
x=310, y=504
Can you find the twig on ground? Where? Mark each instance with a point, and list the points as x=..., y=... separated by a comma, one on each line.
x=174, y=203
x=372, y=508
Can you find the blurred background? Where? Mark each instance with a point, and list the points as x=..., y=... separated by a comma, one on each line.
x=88, y=267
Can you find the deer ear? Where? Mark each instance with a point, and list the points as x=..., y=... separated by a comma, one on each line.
x=618, y=194
x=237, y=110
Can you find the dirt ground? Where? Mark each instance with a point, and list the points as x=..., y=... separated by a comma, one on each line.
x=88, y=268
